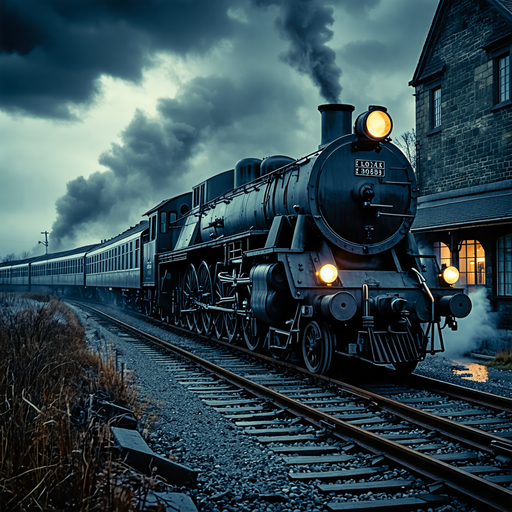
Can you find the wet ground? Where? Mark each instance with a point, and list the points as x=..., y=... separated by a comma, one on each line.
x=474, y=369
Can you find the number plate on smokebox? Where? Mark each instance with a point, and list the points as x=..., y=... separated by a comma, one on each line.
x=376, y=168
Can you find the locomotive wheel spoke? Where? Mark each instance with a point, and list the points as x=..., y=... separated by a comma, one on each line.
x=190, y=290
x=254, y=333
x=231, y=319
x=204, y=319
x=164, y=314
x=217, y=317
x=317, y=347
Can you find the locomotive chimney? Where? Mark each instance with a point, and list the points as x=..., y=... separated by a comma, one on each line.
x=336, y=121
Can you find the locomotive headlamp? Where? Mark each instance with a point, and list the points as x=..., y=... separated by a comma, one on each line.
x=450, y=275
x=375, y=124
x=328, y=273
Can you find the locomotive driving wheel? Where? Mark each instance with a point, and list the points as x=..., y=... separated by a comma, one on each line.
x=204, y=315
x=254, y=333
x=189, y=295
x=317, y=347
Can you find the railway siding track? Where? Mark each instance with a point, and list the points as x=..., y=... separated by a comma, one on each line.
x=318, y=429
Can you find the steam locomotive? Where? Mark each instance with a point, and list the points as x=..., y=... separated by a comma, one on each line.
x=301, y=258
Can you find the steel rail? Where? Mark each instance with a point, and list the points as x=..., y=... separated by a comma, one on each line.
x=482, y=398
x=474, y=487
x=475, y=437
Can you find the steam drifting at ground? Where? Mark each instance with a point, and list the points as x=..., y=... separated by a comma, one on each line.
x=478, y=326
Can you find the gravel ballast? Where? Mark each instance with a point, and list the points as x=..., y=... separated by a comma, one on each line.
x=236, y=472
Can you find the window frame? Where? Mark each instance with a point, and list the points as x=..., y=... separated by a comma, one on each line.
x=502, y=283
x=495, y=56
x=436, y=102
x=163, y=222
x=430, y=90
x=465, y=256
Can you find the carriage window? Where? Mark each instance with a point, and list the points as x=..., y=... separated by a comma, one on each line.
x=163, y=222
x=471, y=263
x=172, y=217
x=504, y=253
x=153, y=228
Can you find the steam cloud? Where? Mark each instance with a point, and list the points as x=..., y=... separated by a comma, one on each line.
x=478, y=326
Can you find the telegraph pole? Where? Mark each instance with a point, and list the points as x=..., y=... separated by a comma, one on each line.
x=45, y=243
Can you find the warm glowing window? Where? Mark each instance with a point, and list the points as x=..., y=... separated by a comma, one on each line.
x=443, y=254
x=471, y=263
x=505, y=265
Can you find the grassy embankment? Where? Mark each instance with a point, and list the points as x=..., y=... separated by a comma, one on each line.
x=502, y=360
x=55, y=454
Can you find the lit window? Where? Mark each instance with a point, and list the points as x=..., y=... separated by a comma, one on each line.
x=471, y=263
x=505, y=265
x=443, y=254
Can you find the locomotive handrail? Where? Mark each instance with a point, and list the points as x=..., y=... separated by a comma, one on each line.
x=402, y=215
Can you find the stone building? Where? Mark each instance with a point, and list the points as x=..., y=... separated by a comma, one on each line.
x=464, y=145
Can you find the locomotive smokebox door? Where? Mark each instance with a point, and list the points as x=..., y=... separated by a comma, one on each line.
x=362, y=201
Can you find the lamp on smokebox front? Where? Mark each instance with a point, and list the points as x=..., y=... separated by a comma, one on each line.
x=328, y=273
x=375, y=125
x=449, y=275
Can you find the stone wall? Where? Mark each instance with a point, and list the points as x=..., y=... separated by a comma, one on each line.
x=474, y=144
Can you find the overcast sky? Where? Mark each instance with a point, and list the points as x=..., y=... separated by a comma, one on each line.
x=107, y=107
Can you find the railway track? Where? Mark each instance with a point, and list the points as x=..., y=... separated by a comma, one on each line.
x=352, y=440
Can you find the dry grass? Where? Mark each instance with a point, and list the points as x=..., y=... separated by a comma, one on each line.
x=502, y=360
x=54, y=452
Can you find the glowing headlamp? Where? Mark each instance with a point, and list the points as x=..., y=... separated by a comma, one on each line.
x=375, y=124
x=328, y=273
x=450, y=275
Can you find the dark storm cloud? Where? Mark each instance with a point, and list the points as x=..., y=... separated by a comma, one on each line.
x=155, y=153
x=380, y=49
x=52, y=52
x=373, y=55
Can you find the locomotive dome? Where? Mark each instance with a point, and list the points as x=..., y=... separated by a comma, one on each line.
x=362, y=191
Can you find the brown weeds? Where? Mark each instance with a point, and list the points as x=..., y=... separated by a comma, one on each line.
x=502, y=359
x=54, y=453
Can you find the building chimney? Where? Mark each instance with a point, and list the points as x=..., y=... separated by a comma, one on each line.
x=336, y=121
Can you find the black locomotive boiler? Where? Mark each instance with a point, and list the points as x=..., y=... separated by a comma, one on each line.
x=308, y=257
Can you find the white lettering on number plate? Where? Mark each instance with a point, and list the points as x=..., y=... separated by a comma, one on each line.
x=375, y=168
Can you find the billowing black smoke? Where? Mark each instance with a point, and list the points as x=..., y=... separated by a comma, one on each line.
x=304, y=23
x=155, y=154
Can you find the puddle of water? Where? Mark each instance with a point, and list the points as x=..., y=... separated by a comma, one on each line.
x=473, y=371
